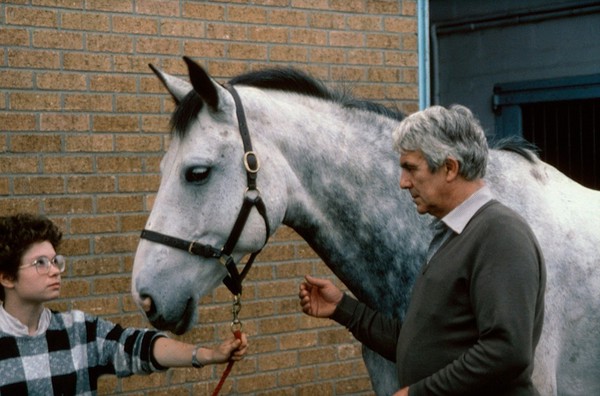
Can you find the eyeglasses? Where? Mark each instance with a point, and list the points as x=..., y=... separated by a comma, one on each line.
x=42, y=264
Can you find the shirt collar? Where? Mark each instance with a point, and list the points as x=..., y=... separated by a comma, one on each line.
x=460, y=216
x=11, y=325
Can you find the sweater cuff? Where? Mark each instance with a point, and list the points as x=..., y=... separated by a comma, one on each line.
x=344, y=312
x=155, y=365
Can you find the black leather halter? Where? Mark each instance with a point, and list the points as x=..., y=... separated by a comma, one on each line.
x=252, y=198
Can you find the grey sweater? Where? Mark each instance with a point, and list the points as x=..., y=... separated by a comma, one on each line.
x=475, y=315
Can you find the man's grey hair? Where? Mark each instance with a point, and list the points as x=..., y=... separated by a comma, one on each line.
x=440, y=133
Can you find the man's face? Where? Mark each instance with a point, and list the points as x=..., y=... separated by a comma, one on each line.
x=426, y=188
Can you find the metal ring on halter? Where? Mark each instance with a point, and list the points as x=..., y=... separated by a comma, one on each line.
x=236, y=325
x=247, y=190
x=247, y=164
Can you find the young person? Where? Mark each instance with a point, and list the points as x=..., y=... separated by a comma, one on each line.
x=48, y=352
x=477, y=307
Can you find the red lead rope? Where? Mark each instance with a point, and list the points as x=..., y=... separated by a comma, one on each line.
x=238, y=335
x=236, y=329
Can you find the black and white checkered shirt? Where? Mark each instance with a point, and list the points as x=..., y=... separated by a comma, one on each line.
x=70, y=356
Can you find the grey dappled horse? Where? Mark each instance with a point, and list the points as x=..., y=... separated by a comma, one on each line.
x=327, y=169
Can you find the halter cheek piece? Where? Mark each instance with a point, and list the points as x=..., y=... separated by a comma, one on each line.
x=252, y=198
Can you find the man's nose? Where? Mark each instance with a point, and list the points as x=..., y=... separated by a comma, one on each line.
x=404, y=181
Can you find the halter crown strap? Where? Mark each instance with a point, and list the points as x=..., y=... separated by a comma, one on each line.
x=252, y=198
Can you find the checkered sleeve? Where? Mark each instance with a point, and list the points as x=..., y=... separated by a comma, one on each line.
x=126, y=350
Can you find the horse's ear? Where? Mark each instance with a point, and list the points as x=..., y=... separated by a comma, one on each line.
x=177, y=87
x=203, y=84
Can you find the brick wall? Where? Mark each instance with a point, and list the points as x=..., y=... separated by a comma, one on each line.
x=83, y=127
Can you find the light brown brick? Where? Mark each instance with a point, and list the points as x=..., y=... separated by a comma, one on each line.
x=90, y=184
x=34, y=101
x=12, y=36
x=157, y=7
x=205, y=11
x=33, y=59
x=256, y=383
x=41, y=185
x=15, y=79
x=58, y=40
x=96, y=143
x=74, y=288
x=347, y=39
x=302, y=375
x=115, y=244
x=110, y=5
x=86, y=62
x=109, y=43
x=93, y=265
x=4, y=186
x=9, y=206
x=136, y=104
x=138, y=143
x=35, y=143
x=221, y=31
x=64, y=122
x=67, y=164
x=28, y=16
x=181, y=28
x=139, y=183
x=18, y=164
x=88, y=102
x=67, y=205
x=61, y=81
x=113, y=83
x=85, y=21
x=401, y=25
x=93, y=225
x=247, y=51
x=120, y=164
x=268, y=34
x=114, y=123
x=119, y=203
x=98, y=306
x=244, y=14
x=327, y=55
x=288, y=18
x=17, y=122
x=111, y=285
x=158, y=45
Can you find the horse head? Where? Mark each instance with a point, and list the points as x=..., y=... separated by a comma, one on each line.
x=208, y=212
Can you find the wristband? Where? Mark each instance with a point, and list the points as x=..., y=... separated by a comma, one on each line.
x=195, y=362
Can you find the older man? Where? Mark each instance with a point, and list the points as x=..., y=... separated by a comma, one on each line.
x=476, y=311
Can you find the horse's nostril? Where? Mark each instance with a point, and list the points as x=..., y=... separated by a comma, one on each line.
x=146, y=304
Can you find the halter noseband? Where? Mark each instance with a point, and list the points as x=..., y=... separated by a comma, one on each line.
x=252, y=198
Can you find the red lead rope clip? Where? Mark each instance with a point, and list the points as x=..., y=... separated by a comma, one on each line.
x=236, y=329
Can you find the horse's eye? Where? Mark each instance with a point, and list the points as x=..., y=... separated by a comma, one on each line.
x=197, y=175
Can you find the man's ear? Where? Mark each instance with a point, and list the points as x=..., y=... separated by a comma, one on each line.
x=452, y=167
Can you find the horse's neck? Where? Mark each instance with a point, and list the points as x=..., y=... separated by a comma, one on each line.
x=346, y=203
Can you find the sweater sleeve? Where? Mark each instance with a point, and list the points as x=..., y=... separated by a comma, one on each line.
x=368, y=326
x=127, y=350
x=507, y=282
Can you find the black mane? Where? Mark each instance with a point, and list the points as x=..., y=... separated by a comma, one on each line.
x=282, y=79
x=518, y=145
x=296, y=81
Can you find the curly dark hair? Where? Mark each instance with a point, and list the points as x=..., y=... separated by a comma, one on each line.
x=17, y=234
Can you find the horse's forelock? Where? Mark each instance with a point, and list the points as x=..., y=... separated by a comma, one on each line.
x=185, y=112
